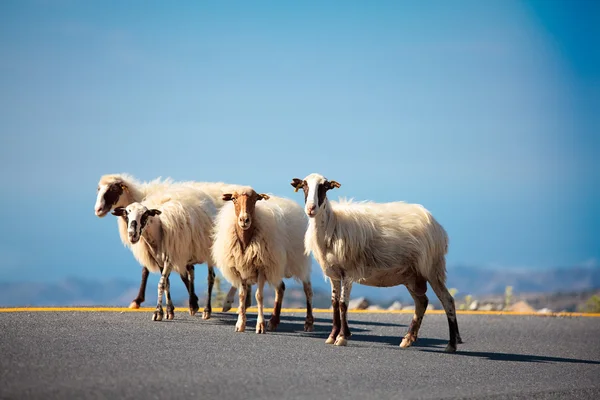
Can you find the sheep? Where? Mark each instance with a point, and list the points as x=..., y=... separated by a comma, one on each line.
x=258, y=243
x=120, y=190
x=169, y=231
x=376, y=244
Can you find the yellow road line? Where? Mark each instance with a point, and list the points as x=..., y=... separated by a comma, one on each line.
x=290, y=310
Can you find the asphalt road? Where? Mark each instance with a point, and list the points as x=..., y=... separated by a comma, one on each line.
x=100, y=355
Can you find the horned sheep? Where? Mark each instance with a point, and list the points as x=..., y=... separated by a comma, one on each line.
x=121, y=190
x=376, y=244
x=169, y=231
x=262, y=242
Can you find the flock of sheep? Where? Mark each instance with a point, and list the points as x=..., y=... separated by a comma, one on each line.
x=257, y=238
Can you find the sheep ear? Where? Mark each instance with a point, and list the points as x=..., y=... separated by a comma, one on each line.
x=119, y=212
x=227, y=196
x=153, y=212
x=263, y=197
x=297, y=184
x=333, y=184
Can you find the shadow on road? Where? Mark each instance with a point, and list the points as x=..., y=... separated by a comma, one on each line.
x=351, y=322
x=518, y=357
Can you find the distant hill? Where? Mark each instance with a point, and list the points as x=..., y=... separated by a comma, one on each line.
x=467, y=280
x=479, y=281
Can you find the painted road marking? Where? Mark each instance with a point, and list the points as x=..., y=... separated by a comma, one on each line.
x=291, y=310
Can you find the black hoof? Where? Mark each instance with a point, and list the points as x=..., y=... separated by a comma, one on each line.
x=273, y=324
x=450, y=349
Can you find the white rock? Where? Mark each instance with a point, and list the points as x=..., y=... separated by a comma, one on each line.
x=358, y=304
x=474, y=305
x=395, y=306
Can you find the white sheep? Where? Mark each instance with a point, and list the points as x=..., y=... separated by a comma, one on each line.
x=262, y=242
x=376, y=244
x=169, y=231
x=120, y=190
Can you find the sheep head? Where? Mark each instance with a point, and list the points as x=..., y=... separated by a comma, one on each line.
x=244, y=203
x=315, y=188
x=109, y=193
x=136, y=215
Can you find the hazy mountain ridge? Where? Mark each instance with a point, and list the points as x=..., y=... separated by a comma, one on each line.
x=478, y=282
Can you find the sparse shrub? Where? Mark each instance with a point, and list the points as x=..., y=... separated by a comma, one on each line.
x=467, y=303
x=508, y=297
x=453, y=292
x=218, y=294
x=592, y=305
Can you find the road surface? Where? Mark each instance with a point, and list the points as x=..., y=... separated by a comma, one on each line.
x=123, y=355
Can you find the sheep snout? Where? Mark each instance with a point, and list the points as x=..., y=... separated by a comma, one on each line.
x=244, y=221
x=134, y=237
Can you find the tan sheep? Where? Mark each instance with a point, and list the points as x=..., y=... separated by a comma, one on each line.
x=169, y=231
x=376, y=244
x=262, y=243
x=120, y=190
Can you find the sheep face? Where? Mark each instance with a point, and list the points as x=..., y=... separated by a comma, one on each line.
x=244, y=203
x=136, y=216
x=108, y=196
x=315, y=188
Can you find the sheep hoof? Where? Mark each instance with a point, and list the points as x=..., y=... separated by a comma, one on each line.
x=308, y=327
x=330, y=340
x=408, y=340
x=450, y=349
x=157, y=316
x=193, y=310
x=341, y=341
x=226, y=307
x=260, y=327
x=272, y=325
x=134, y=305
x=240, y=326
x=206, y=314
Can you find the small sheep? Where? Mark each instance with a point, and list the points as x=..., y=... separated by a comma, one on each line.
x=120, y=190
x=376, y=244
x=258, y=243
x=169, y=231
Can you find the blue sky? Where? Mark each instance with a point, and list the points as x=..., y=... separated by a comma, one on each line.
x=484, y=112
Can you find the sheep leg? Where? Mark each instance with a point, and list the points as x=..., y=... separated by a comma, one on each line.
x=448, y=303
x=345, y=334
x=228, y=302
x=260, y=320
x=335, y=303
x=188, y=281
x=417, y=292
x=275, y=317
x=142, y=292
x=249, y=296
x=310, y=320
x=240, y=326
x=211, y=283
x=158, y=314
x=170, y=306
